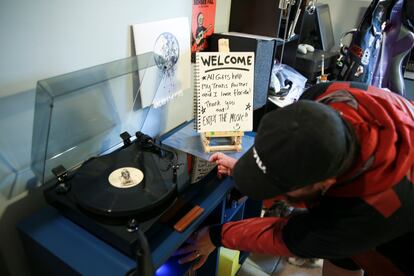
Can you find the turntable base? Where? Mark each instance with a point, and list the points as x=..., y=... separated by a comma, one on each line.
x=57, y=246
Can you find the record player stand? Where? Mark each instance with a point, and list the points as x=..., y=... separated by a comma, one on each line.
x=235, y=137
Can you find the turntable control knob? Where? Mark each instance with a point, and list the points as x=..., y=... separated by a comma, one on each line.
x=132, y=225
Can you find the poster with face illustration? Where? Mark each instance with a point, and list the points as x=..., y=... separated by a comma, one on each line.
x=169, y=42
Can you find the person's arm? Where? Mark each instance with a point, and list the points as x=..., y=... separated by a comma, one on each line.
x=261, y=235
x=334, y=231
x=225, y=164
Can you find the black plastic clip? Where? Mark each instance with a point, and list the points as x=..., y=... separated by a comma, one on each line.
x=61, y=174
x=145, y=140
x=132, y=225
x=126, y=137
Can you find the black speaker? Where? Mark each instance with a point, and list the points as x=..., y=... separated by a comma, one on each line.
x=255, y=17
x=263, y=49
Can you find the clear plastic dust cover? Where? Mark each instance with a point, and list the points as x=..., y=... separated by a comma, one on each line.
x=81, y=114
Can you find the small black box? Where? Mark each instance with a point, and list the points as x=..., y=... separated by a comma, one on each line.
x=310, y=64
x=264, y=51
x=255, y=17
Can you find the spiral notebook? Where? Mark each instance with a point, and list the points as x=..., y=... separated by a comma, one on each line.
x=223, y=91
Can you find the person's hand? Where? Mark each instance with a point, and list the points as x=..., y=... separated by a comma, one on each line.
x=225, y=164
x=199, y=247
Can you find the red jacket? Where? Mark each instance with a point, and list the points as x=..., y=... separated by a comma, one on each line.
x=384, y=126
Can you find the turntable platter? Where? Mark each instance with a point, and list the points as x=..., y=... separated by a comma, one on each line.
x=125, y=183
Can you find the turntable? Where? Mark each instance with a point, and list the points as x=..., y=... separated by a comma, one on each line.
x=116, y=194
x=97, y=174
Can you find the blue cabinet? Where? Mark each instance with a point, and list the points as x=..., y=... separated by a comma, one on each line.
x=56, y=245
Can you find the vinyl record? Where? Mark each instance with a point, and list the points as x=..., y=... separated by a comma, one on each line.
x=125, y=183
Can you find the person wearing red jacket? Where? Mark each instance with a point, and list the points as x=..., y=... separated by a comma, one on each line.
x=346, y=150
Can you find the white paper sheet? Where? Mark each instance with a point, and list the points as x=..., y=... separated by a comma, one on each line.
x=170, y=41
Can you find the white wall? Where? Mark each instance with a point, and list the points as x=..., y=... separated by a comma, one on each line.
x=44, y=38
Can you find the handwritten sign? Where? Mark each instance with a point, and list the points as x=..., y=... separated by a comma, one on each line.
x=224, y=91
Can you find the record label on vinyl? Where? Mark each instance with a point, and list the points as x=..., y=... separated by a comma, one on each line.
x=126, y=177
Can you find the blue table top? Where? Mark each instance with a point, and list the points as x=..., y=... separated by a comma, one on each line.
x=89, y=255
x=186, y=139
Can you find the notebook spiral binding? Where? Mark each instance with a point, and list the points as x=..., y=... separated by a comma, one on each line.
x=197, y=108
